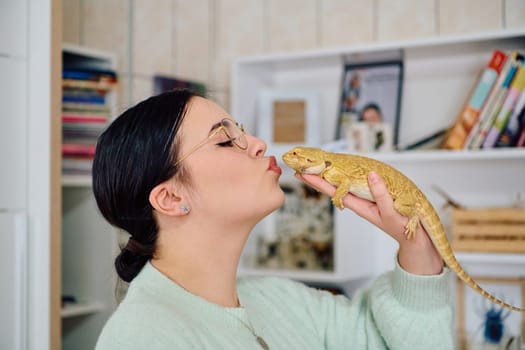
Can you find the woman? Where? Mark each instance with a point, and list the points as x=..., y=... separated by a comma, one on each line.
x=188, y=185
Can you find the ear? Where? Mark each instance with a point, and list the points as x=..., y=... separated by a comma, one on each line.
x=167, y=200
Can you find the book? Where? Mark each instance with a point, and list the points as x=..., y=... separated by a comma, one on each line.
x=69, y=149
x=494, y=101
x=521, y=139
x=100, y=85
x=84, y=118
x=457, y=135
x=516, y=87
x=88, y=74
x=510, y=134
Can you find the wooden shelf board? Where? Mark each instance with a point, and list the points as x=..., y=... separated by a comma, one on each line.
x=491, y=258
x=304, y=276
x=72, y=310
x=76, y=180
x=381, y=46
x=446, y=156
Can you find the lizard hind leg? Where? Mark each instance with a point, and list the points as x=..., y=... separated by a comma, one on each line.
x=411, y=227
x=406, y=206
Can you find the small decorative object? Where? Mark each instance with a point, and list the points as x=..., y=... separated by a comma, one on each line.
x=482, y=323
x=299, y=236
x=163, y=83
x=362, y=137
x=494, y=322
x=371, y=92
x=288, y=117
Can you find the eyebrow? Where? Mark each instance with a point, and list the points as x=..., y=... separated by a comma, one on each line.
x=214, y=127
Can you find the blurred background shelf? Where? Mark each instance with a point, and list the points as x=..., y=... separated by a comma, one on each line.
x=74, y=310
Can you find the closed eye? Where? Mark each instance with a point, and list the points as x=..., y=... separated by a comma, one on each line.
x=227, y=143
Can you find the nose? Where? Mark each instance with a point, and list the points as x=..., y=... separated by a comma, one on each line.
x=256, y=146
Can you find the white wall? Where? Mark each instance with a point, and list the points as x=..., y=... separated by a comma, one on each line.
x=199, y=39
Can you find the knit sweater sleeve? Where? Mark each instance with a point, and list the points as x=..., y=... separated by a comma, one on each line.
x=400, y=311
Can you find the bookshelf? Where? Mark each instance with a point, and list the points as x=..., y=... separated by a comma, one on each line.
x=438, y=75
x=89, y=244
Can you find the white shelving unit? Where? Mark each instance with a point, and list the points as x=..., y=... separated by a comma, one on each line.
x=438, y=75
x=89, y=245
x=80, y=310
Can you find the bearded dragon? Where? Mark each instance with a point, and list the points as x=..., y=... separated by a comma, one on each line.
x=349, y=173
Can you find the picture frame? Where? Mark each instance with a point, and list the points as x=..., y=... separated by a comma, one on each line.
x=163, y=83
x=363, y=137
x=471, y=305
x=287, y=118
x=371, y=91
x=300, y=234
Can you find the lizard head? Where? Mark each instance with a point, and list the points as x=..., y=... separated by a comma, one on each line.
x=306, y=160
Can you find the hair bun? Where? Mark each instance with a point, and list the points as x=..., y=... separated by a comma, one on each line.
x=132, y=259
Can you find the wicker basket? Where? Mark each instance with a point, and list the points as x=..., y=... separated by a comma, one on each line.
x=499, y=230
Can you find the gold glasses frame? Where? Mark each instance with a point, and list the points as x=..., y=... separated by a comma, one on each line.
x=216, y=130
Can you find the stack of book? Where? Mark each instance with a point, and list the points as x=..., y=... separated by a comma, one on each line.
x=86, y=111
x=494, y=114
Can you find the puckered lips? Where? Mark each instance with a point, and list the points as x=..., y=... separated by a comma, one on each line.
x=272, y=165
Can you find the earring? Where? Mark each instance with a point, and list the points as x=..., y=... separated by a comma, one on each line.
x=185, y=209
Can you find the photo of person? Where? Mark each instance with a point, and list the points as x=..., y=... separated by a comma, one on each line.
x=371, y=113
x=371, y=93
x=369, y=133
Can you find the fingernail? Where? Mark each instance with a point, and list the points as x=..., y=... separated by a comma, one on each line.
x=373, y=177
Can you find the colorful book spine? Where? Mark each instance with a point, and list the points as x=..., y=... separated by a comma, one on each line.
x=509, y=136
x=457, y=136
x=516, y=87
x=494, y=101
x=521, y=139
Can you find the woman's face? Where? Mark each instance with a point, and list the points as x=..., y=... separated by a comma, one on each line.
x=227, y=183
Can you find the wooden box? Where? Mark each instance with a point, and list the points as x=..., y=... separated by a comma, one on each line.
x=500, y=230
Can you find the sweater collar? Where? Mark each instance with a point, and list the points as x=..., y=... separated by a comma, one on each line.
x=159, y=286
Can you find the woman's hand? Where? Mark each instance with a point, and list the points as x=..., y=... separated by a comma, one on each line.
x=417, y=256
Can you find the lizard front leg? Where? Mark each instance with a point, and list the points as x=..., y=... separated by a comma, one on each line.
x=337, y=178
x=340, y=192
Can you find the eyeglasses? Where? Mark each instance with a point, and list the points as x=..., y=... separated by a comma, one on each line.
x=233, y=131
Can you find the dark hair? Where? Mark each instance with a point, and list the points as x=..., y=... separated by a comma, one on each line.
x=371, y=105
x=134, y=154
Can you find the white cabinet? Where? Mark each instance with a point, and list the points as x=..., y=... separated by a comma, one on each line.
x=13, y=134
x=14, y=274
x=13, y=27
x=438, y=75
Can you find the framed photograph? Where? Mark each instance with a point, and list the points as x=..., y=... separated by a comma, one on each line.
x=162, y=83
x=363, y=137
x=300, y=234
x=288, y=118
x=371, y=93
x=482, y=322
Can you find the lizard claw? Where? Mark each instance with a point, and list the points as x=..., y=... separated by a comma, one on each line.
x=338, y=202
x=411, y=227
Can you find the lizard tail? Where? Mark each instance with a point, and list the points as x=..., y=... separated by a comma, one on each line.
x=439, y=238
x=460, y=272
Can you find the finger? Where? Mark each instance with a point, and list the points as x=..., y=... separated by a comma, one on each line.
x=379, y=191
x=317, y=183
x=362, y=207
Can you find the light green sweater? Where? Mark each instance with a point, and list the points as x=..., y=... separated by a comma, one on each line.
x=400, y=311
